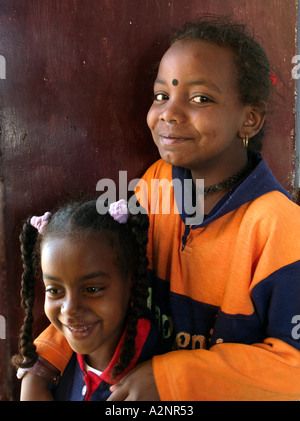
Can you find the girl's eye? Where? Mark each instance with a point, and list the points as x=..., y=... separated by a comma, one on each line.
x=94, y=290
x=160, y=97
x=200, y=99
x=53, y=292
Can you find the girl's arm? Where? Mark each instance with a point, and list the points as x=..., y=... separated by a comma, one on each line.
x=54, y=353
x=258, y=372
x=35, y=387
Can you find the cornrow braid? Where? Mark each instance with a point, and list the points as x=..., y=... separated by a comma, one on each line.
x=28, y=355
x=138, y=224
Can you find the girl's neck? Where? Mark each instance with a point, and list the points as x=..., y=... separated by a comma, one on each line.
x=102, y=357
x=215, y=175
x=215, y=172
x=97, y=362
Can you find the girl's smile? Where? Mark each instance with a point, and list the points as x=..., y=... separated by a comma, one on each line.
x=81, y=331
x=86, y=295
x=173, y=139
x=199, y=121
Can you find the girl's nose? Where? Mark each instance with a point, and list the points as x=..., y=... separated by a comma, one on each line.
x=173, y=112
x=72, y=306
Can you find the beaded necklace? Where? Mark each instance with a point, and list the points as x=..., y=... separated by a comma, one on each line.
x=228, y=182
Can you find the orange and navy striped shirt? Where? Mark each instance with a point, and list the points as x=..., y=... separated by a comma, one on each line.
x=225, y=292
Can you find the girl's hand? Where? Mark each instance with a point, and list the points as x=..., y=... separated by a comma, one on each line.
x=138, y=385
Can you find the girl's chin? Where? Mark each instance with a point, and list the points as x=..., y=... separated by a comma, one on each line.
x=175, y=159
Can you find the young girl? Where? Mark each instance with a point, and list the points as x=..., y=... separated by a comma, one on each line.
x=94, y=270
x=226, y=291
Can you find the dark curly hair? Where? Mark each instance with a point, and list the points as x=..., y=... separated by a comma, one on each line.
x=253, y=67
x=129, y=242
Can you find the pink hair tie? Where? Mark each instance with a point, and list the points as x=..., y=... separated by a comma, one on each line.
x=40, y=222
x=119, y=211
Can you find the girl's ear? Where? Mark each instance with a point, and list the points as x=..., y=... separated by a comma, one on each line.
x=254, y=119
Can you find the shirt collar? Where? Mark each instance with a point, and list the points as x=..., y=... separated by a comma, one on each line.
x=143, y=328
x=259, y=182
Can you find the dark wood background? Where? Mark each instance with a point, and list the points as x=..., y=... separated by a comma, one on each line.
x=73, y=109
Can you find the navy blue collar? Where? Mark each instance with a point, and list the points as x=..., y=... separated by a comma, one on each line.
x=259, y=182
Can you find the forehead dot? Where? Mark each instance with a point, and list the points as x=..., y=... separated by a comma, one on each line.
x=175, y=82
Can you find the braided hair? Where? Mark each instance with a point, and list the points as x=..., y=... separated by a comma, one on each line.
x=129, y=241
x=27, y=349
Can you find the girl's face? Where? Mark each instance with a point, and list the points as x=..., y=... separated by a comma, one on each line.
x=196, y=118
x=86, y=295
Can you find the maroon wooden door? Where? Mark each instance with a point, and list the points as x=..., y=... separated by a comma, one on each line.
x=73, y=104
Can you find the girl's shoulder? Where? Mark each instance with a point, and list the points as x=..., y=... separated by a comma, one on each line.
x=276, y=204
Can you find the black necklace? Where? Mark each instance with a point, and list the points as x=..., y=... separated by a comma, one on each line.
x=228, y=182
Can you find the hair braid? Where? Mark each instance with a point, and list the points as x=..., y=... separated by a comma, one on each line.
x=26, y=347
x=138, y=225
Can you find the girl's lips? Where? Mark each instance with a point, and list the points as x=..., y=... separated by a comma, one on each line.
x=80, y=331
x=173, y=140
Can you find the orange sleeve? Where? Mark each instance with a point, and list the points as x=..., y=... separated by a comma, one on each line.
x=229, y=371
x=53, y=347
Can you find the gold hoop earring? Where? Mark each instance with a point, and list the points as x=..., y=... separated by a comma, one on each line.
x=245, y=141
